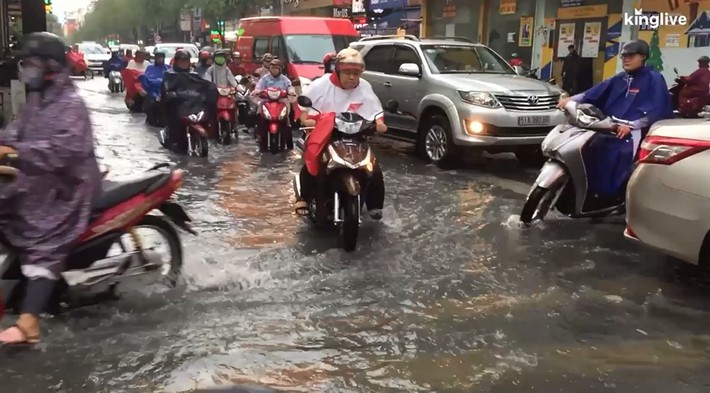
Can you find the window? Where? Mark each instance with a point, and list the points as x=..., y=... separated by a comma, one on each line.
x=379, y=59
x=261, y=47
x=277, y=47
x=451, y=59
x=311, y=48
x=404, y=54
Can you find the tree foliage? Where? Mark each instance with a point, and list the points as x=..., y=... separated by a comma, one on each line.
x=126, y=17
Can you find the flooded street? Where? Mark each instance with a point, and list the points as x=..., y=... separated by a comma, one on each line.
x=446, y=294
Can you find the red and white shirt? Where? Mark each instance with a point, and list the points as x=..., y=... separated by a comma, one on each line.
x=327, y=95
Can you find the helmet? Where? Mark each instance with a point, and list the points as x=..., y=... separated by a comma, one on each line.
x=44, y=45
x=160, y=54
x=221, y=52
x=181, y=54
x=704, y=60
x=328, y=60
x=267, y=57
x=236, y=55
x=638, y=47
x=349, y=58
x=276, y=63
x=204, y=55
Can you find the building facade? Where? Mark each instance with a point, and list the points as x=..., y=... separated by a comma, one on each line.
x=325, y=8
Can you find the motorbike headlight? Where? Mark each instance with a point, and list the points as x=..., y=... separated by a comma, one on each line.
x=480, y=98
x=584, y=119
x=283, y=113
x=265, y=112
x=348, y=127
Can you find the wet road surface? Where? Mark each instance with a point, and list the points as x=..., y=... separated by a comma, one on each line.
x=446, y=294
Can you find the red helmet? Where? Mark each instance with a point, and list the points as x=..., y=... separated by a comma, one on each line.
x=329, y=62
x=204, y=55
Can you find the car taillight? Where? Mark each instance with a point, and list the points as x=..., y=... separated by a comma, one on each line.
x=667, y=151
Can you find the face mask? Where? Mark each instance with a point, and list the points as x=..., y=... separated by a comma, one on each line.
x=33, y=77
x=220, y=60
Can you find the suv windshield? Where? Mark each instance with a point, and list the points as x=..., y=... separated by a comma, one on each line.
x=454, y=59
x=310, y=48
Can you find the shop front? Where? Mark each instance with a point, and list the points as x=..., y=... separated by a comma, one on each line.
x=392, y=17
x=455, y=18
x=324, y=8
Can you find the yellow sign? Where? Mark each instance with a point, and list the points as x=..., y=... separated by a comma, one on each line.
x=526, y=31
x=583, y=12
x=507, y=7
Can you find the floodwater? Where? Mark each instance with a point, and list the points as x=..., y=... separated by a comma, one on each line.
x=446, y=294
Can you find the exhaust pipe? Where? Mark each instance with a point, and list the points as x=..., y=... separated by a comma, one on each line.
x=109, y=270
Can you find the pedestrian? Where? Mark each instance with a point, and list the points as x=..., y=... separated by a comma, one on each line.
x=570, y=71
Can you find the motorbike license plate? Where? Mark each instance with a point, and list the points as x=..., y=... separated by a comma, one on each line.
x=534, y=120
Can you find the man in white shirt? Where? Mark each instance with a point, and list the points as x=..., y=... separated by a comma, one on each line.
x=138, y=62
x=343, y=91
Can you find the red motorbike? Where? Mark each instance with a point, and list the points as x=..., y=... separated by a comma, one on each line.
x=111, y=251
x=196, y=126
x=274, y=123
x=135, y=94
x=78, y=65
x=226, y=111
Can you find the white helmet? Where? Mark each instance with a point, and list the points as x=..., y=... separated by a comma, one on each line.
x=349, y=58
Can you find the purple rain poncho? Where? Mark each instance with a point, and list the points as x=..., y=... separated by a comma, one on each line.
x=44, y=212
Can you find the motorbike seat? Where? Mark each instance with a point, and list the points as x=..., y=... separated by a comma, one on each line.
x=115, y=192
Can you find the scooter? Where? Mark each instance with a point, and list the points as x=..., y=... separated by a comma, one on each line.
x=125, y=206
x=151, y=100
x=563, y=182
x=196, y=126
x=78, y=65
x=226, y=107
x=349, y=164
x=135, y=94
x=245, y=116
x=674, y=92
x=115, y=82
x=274, y=124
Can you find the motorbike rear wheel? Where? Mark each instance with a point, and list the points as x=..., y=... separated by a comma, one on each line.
x=89, y=74
x=225, y=132
x=200, y=145
x=350, y=226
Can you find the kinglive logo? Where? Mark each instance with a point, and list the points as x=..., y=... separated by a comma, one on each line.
x=652, y=20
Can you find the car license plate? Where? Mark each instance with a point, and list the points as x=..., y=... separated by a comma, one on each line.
x=533, y=120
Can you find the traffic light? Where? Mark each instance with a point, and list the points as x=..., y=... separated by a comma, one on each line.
x=220, y=25
x=48, y=6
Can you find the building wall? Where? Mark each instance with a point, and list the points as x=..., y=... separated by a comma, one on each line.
x=462, y=18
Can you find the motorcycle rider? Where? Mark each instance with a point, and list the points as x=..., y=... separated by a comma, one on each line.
x=138, y=62
x=48, y=206
x=275, y=78
x=115, y=63
x=695, y=93
x=158, y=64
x=265, y=65
x=638, y=94
x=342, y=91
x=220, y=75
x=329, y=62
x=204, y=62
x=515, y=60
x=236, y=65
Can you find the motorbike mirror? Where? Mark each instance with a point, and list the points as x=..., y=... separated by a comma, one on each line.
x=519, y=70
x=304, y=102
x=391, y=106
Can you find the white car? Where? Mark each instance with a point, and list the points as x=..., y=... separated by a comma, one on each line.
x=169, y=50
x=95, y=56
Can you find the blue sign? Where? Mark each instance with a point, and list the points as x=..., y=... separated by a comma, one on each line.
x=387, y=4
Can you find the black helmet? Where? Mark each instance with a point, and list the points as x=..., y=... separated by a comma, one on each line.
x=704, y=60
x=159, y=54
x=181, y=54
x=638, y=47
x=44, y=45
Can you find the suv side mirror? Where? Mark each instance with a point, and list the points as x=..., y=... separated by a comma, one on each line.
x=304, y=101
x=391, y=106
x=519, y=70
x=410, y=69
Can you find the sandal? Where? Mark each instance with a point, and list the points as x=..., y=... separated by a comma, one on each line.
x=27, y=340
x=302, y=208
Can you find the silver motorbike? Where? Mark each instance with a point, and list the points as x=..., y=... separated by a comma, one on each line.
x=562, y=182
x=115, y=82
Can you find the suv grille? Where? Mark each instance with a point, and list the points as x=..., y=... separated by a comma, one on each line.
x=530, y=102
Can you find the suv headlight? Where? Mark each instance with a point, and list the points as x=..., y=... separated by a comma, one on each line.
x=480, y=98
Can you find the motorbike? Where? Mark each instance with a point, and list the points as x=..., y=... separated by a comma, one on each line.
x=151, y=100
x=135, y=93
x=115, y=82
x=226, y=107
x=273, y=112
x=349, y=164
x=78, y=65
x=564, y=180
x=245, y=115
x=690, y=109
x=196, y=126
x=91, y=269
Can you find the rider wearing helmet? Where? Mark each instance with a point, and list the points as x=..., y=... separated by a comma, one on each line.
x=58, y=178
x=236, y=65
x=204, y=62
x=638, y=94
x=181, y=61
x=341, y=91
x=274, y=79
x=515, y=60
x=138, y=62
x=218, y=73
x=265, y=65
x=695, y=93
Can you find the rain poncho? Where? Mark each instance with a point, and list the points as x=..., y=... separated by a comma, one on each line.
x=115, y=63
x=49, y=206
x=185, y=94
x=152, y=79
x=640, y=97
x=201, y=69
x=220, y=75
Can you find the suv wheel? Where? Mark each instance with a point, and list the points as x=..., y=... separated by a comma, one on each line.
x=435, y=141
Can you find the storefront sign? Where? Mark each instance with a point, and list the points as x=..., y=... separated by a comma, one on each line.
x=526, y=29
x=566, y=38
x=591, y=41
x=570, y=3
x=311, y=4
x=507, y=7
x=341, y=12
x=449, y=10
x=584, y=12
x=359, y=7
x=387, y=4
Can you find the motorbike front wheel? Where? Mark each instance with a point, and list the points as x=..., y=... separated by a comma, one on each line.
x=200, y=146
x=537, y=205
x=275, y=142
x=225, y=132
x=89, y=74
x=350, y=226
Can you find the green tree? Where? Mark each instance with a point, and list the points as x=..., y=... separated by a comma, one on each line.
x=655, y=57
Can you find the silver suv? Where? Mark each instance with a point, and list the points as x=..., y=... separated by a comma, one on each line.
x=455, y=95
